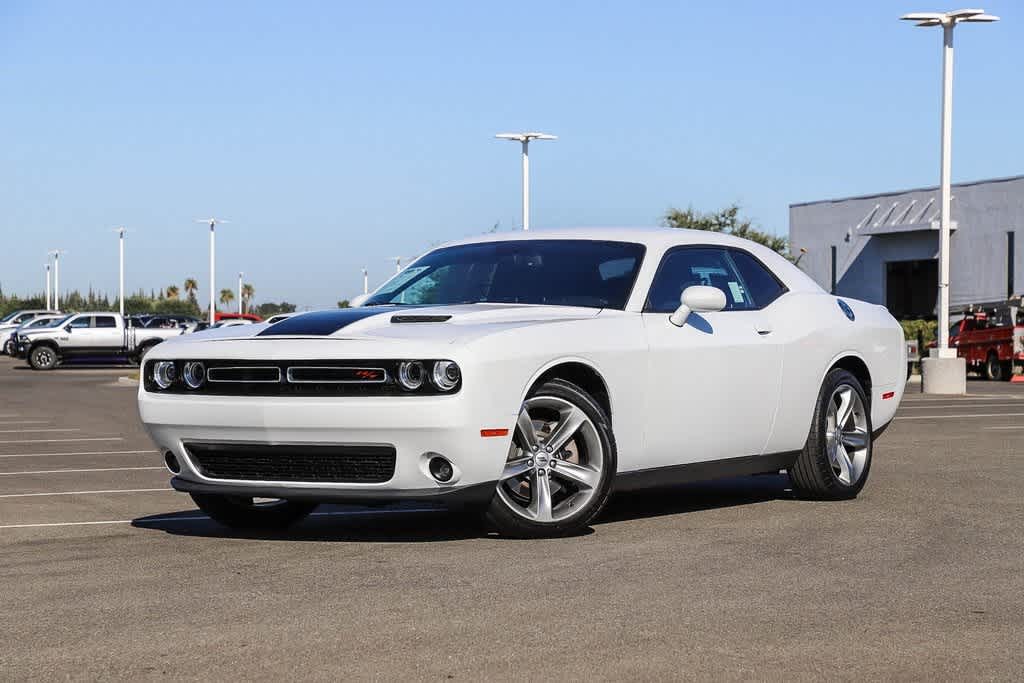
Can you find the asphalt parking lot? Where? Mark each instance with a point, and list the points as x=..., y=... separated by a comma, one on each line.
x=105, y=572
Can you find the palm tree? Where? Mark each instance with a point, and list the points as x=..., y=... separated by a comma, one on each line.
x=226, y=296
x=172, y=291
x=247, y=293
x=191, y=286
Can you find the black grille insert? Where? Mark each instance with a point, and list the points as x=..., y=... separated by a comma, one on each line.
x=294, y=462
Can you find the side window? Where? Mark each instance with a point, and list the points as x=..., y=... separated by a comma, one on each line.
x=759, y=283
x=82, y=321
x=689, y=266
x=105, y=321
x=24, y=317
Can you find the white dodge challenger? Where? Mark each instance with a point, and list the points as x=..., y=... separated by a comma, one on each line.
x=530, y=376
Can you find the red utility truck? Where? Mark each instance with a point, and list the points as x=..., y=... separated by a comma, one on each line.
x=991, y=337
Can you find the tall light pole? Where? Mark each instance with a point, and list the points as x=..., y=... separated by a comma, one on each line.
x=524, y=139
x=56, y=277
x=212, y=222
x=47, y=265
x=948, y=21
x=120, y=279
x=398, y=262
x=240, y=274
x=366, y=281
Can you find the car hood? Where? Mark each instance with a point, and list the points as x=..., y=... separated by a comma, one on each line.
x=317, y=331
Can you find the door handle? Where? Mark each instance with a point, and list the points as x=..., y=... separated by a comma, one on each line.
x=763, y=328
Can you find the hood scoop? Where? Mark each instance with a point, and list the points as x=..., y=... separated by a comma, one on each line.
x=399, y=319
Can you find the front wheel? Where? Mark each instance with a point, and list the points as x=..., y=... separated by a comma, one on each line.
x=835, y=461
x=9, y=347
x=238, y=512
x=560, y=465
x=43, y=358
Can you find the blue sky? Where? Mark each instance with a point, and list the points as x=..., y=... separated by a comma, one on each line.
x=334, y=135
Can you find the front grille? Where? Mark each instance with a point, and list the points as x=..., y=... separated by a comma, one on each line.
x=357, y=464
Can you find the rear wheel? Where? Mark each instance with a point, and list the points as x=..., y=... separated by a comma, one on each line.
x=836, y=459
x=995, y=370
x=43, y=358
x=238, y=512
x=9, y=347
x=560, y=465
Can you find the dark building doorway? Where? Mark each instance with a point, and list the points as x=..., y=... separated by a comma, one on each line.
x=911, y=288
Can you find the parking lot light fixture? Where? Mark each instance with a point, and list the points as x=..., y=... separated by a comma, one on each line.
x=240, y=274
x=212, y=222
x=524, y=139
x=948, y=21
x=366, y=282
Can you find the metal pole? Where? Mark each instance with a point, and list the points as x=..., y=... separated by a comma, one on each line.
x=366, y=282
x=526, y=184
x=56, y=280
x=48, y=288
x=121, y=276
x=944, y=189
x=213, y=293
x=240, y=311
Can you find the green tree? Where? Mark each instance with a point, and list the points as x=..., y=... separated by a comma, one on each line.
x=344, y=303
x=226, y=296
x=248, y=292
x=725, y=220
x=267, y=309
x=191, y=287
x=172, y=291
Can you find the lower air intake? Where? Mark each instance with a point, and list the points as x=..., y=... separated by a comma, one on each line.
x=294, y=462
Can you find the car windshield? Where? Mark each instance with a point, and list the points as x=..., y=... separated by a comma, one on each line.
x=553, y=272
x=10, y=316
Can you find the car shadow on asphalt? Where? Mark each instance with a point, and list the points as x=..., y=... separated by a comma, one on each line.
x=418, y=524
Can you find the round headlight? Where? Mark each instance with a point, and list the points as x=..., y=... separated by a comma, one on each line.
x=194, y=374
x=446, y=375
x=165, y=373
x=410, y=374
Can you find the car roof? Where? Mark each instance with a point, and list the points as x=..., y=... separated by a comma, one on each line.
x=653, y=237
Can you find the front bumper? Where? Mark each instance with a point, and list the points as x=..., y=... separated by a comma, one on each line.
x=417, y=427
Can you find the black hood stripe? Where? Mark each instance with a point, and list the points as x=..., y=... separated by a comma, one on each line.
x=322, y=323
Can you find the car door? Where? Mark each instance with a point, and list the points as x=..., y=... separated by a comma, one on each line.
x=105, y=334
x=76, y=336
x=713, y=384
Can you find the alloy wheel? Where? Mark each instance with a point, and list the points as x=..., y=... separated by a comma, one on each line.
x=555, y=463
x=846, y=435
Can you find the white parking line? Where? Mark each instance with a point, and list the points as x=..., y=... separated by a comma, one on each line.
x=940, y=406
x=35, y=431
x=47, y=455
x=943, y=417
x=350, y=513
x=25, y=422
x=90, y=469
x=84, y=438
x=1006, y=427
x=83, y=493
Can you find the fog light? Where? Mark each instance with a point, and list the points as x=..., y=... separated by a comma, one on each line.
x=441, y=469
x=164, y=373
x=172, y=463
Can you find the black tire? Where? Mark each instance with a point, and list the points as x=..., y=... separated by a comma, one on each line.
x=140, y=355
x=9, y=347
x=813, y=475
x=506, y=522
x=995, y=370
x=43, y=358
x=240, y=513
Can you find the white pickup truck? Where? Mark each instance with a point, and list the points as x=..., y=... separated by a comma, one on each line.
x=94, y=335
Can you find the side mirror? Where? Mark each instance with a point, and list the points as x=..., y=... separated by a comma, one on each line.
x=358, y=301
x=698, y=298
x=67, y=328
